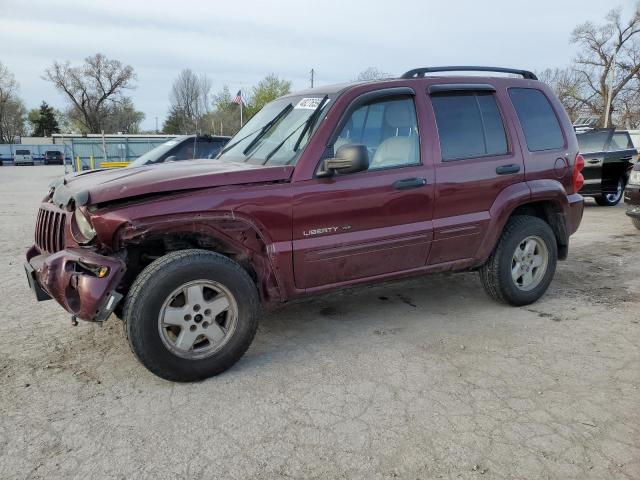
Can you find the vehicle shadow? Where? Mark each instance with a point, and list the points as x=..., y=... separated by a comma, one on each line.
x=342, y=323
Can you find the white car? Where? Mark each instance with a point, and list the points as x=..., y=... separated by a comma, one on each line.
x=23, y=157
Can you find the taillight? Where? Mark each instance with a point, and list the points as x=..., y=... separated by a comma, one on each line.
x=578, y=178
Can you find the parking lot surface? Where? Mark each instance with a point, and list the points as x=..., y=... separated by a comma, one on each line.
x=422, y=378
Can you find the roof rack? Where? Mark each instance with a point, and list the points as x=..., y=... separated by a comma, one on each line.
x=420, y=72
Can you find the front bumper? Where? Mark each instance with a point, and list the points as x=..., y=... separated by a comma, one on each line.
x=69, y=276
x=632, y=199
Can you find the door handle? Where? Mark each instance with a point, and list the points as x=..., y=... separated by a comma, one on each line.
x=593, y=162
x=407, y=183
x=507, y=169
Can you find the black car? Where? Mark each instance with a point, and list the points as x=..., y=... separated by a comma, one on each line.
x=52, y=157
x=185, y=147
x=609, y=156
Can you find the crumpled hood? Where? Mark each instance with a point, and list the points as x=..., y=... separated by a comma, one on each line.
x=106, y=185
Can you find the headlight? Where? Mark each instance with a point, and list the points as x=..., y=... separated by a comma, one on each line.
x=634, y=178
x=83, y=231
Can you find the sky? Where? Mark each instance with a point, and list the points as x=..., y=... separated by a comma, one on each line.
x=238, y=43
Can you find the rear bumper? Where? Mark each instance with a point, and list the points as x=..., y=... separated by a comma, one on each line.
x=68, y=277
x=574, y=213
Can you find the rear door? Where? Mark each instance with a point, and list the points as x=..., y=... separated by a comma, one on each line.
x=477, y=158
x=373, y=222
x=618, y=163
x=593, y=148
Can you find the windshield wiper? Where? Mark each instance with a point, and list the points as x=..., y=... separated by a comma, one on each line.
x=310, y=122
x=308, y=125
x=230, y=146
x=267, y=126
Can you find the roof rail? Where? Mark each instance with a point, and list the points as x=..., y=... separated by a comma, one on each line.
x=420, y=72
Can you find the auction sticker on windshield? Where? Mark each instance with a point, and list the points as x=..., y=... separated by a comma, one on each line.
x=310, y=103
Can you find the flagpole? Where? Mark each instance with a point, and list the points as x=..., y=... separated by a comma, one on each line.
x=241, y=102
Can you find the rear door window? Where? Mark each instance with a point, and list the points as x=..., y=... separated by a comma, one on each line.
x=620, y=141
x=595, y=141
x=469, y=125
x=539, y=122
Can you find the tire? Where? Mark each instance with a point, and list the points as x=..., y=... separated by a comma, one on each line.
x=146, y=309
x=611, y=200
x=636, y=222
x=496, y=274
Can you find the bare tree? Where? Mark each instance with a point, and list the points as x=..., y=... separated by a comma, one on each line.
x=611, y=45
x=12, y=109
x=189, y=102
x=568, y=85
x=12, y=122
x=92, y=88
x=123, y=117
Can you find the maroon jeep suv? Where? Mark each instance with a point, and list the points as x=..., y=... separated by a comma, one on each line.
x=321, y=189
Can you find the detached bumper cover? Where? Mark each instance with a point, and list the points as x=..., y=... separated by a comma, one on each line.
x=68, y=277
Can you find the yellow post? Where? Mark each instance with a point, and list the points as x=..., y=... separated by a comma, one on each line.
x=78, y=163
x=91, y=162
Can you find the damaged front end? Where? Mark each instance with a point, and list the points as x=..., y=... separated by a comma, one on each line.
x=82, y=281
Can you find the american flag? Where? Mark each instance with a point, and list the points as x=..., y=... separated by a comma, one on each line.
x=238, y=98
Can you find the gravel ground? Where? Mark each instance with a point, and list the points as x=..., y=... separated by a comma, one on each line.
x=426, y=378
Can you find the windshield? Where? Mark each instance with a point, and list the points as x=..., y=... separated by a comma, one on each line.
x=154, y=154
x=23, y=152
x=279, y=132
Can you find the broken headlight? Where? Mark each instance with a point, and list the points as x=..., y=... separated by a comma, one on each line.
x=81, y=228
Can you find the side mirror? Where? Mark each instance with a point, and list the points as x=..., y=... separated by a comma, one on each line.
x=171, y=158
x=350, y=158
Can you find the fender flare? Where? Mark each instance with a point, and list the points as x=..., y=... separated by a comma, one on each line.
x=236, y=232
x=517, y=195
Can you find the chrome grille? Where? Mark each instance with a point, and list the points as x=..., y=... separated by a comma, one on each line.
x=50, y=230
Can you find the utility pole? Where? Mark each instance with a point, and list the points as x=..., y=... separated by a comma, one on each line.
x=313, y=72
x=607, y=113
x=156, y=125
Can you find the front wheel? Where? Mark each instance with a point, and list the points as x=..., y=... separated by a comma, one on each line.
x=611, y=199
x=191, y=314
x=523, y=263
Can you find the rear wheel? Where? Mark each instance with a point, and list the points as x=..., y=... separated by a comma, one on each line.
x=611, y=199
x=191, y=315
x=523, y=263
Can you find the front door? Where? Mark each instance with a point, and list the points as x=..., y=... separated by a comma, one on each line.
x=369, y=223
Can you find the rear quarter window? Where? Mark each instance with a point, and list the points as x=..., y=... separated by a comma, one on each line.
x=538, y=120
